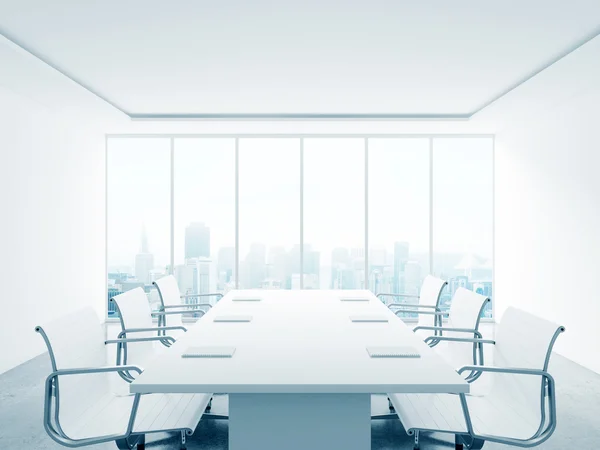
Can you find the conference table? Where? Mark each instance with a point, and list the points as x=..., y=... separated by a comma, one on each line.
x=300, y=376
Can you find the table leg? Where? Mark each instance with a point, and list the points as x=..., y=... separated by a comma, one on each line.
x=299, y=421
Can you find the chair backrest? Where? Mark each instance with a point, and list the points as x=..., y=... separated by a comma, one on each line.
x=168, y=290
x=75, y=341
x=523, y=341
x=134, y=312
x=169, y=294
x=430, y=294
x=465, y=309
x=465, y=312
x=134, y=309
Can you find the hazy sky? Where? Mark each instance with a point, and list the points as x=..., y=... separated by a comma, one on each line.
x=269, y=196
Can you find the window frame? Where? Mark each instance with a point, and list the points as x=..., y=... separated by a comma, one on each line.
x=301, y=137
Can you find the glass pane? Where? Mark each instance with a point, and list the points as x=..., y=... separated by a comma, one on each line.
x=398, y=215
x=204, y=216
x=334, y=213
x=269, y=208
x=139, y=227
x=462, y=214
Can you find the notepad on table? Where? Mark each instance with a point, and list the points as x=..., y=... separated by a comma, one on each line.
x=393, y=352
x=208, y=352
x=246, y=299
x=354, y=299
x=367, y=318
x=232, y=318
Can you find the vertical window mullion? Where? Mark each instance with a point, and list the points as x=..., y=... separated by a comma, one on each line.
x=237, y=213
x=431, y=205
x=366, y=142
x=172, y=237
x=301, y=213
x=493, y=224
x=106, y=226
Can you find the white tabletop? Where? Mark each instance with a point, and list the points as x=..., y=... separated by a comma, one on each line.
x=299, y=342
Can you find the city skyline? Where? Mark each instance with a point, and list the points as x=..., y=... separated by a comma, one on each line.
x=206, y=202
x=275, y=267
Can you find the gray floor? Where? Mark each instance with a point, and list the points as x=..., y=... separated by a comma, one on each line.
x=21, y=415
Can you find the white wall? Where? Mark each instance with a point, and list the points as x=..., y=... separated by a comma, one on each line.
x=52, y=174
x=52, y=191
x=547, y=217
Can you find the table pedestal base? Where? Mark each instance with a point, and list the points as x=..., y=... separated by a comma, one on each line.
x=299, y=421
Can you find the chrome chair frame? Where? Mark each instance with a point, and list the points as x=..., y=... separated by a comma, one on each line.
x=183, y=308
x=52, y=425
x=437, y=312
x=474, y=441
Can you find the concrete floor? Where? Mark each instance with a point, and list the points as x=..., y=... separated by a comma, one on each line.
x=21, y=404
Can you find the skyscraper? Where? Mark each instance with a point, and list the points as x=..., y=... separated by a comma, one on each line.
x=225, y=266
x=184, y=274
x=341, y=274
x=400, y=260
x=144, y=260
x=412, y=278
x=205, y=279
x=254, y=269
x=197, y=241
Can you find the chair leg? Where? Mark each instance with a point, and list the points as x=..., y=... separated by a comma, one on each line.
x=129, y=444
x=416, y=447
x=209, y=406
x=476, y=444
x=390, y=405
x=183, y=443
x=458, y=442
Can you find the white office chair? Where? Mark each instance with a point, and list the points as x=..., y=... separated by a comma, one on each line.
x=135, y=316
x=80, y=409
x=427, y=304
x=520, y=407
x=171, y=306
x=464, y=316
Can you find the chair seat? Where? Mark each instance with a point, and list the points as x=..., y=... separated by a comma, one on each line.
x=156, y=412
x=490, y=415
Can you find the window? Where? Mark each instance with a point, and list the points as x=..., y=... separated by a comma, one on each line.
x=204, y=216
x=398, y=215
x=138, y=219
x=463, y=214
x=334, y=213
x=291, y=212
x=269, y=213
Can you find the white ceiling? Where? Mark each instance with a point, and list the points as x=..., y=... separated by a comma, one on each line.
x=405, y=58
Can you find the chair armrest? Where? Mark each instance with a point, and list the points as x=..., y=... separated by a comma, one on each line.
x=513, y=370
x=57, y=433
x=144, y=339
x=442, y=329
x=431, y=313
x=432, y=341
x=139, y=330
x=167, y=341
x=213, y=294
x=193, y=305
x=168, y=313
x=455, y=339
x=397, y=295
x=410, y=305
x=86, y=370
x=547, y=424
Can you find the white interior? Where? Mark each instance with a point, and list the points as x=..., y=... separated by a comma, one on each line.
x=365, y=57
x=547, y=216
x=52, y=190
x=546, y=158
